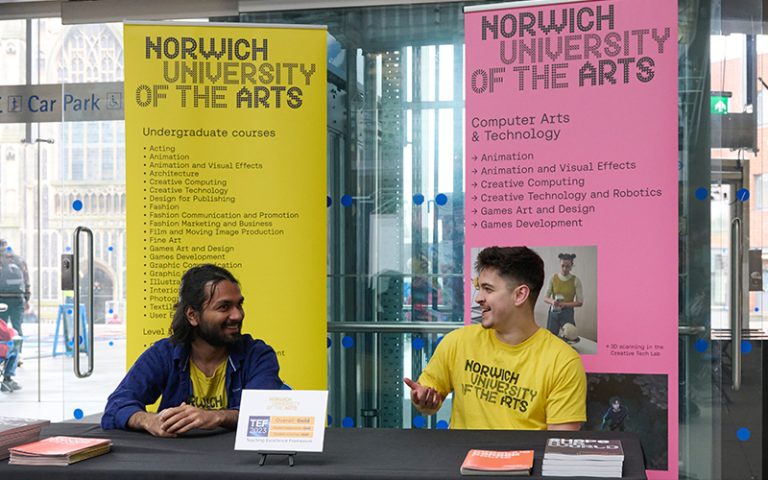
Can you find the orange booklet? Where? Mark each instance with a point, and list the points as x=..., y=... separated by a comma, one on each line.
x=498, y=462
x=59, y=451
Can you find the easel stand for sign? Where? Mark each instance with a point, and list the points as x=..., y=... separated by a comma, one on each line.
x=263, y=458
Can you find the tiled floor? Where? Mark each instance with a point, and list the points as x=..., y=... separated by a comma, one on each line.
x=50, y=388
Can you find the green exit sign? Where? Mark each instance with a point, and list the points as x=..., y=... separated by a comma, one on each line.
x=718, y=104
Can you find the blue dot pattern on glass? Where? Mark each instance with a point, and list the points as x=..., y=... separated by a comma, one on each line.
x=757, y=309
x=418, y=343
x=77, y=205
x=346, y=200
x=702, y=193
x=348, y=341
x=111, y=311
x=8, y=249
x=419, y=422
x=329, y=342
x=746, y=346
x=328, y=201
x=701, y=345
x=742, y=194
x=111, y=343
x=437, y=342
x=418, y=199
x=442, y=425
x=330, y=420
x=78, y=414
x=69, y=311
x=441, y=199
x=348, y=422
x=71, y=343
x=743, y=434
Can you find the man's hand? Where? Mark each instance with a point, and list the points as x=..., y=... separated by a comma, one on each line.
x=172, y=422
x=185, y=417
x=427, y=400
x=151, y=422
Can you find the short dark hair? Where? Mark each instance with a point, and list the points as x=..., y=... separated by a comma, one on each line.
x=519, y=264
x=193, y=293
x=567, y=256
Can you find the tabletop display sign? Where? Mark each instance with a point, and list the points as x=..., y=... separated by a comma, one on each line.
x=282, y=420
x=225, y=130
x=571, y=150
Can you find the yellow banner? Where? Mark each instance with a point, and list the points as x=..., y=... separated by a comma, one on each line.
x=226, y=164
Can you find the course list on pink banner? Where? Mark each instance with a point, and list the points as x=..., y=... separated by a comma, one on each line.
x=571, y=149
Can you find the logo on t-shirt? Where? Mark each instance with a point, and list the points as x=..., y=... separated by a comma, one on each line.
x=497, y=385
x=207, y=403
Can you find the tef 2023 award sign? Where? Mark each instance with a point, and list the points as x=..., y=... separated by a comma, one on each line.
x=572, y=151
x=226, y=164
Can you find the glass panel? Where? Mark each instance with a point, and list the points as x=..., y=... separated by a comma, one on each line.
x=18, y=213
x=396, y=251
x=93, y=152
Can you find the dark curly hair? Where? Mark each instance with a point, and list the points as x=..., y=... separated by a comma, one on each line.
x=193, y=293
x=567, y=256
x=519, y=264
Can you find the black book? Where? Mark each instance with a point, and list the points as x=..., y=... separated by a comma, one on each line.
x=577, y=449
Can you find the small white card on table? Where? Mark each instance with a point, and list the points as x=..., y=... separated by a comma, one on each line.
x=282, y=420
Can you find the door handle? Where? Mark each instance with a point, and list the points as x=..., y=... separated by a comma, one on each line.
x=76, y=268
x=737, y=308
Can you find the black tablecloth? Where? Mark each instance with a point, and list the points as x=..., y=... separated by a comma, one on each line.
x=349, y=454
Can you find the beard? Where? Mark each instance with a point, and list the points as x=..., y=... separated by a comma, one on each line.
x=214, y=335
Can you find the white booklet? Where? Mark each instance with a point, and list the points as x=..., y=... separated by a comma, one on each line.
x=282, y=420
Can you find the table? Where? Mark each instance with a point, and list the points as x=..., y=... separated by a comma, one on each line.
x=350, y=453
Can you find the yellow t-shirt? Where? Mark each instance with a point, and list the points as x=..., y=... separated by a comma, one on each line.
x=208, y=392
x=564, y=289
x=499, y=386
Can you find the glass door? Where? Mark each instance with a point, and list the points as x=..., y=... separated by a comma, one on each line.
x=88, y=198
x=721, y=243
x=62, y=169
x=722, y=330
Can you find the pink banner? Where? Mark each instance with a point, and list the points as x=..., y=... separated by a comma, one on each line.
x=571, y=134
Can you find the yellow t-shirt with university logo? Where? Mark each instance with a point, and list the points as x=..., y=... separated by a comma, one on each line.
x=500, y=386
x=208, y=393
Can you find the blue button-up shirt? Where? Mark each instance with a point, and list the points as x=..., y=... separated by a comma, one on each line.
x=163, y=369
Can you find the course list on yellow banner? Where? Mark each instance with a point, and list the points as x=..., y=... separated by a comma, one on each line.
x=226, y=164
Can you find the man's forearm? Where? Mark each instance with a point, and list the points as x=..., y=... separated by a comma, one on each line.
x=139, y=420
x=228, y=418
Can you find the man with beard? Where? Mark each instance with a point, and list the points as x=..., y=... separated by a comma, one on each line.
x=201, y=369
x=507, y=372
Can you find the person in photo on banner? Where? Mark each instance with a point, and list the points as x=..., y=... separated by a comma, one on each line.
x=615, y=416
x=201, y=369
x=506, y=372
x=563, y=294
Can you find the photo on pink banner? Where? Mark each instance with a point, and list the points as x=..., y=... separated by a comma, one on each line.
x=567, y=304
x=635, y=403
